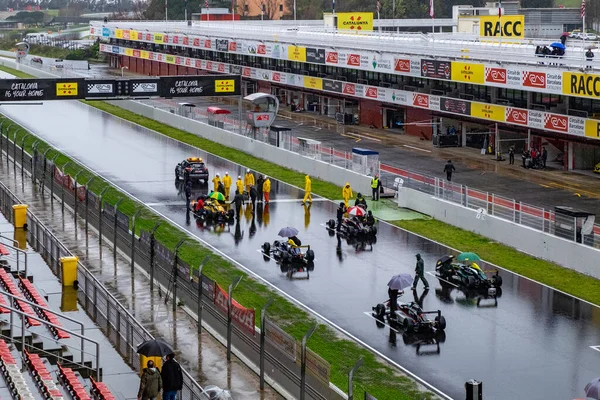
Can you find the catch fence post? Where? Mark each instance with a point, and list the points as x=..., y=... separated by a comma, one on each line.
x=76, y=197
x=23, y=154
x=62, y=191
x=137, y=213
x=229, y=308
x=87, y=202
x=152, y=254
x=303, y=361
x=100, y=217
x=115, y=228
x=263, y=317
x=351, y=378
x=200, y=305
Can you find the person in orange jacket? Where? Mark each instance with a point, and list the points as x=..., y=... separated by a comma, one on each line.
x=267, y=189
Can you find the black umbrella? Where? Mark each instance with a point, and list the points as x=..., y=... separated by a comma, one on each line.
x=155, y=348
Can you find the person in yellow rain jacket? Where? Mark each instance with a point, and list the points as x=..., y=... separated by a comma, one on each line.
x=215, y=182
x=307, y=189
x=248, y=180
x=227, y=184
x=347, y=193
x=239, y=185
x=267, y=189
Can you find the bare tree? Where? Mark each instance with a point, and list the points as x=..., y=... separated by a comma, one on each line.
x=271, y=7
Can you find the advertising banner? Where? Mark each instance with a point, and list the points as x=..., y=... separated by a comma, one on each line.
x=208, y=287
x=122, y=221
x=159, y=38
x=355, y=21
x=488, y=111
x=314, y=55
x=310, y=82
x=279, y=339
x=580, y=84
x=318, y=367
x=592, y=128
x=242, y=316
x=517, y=116
x=436, y=69
x=296, y=53
x=222, y=45
x=506, y=26
x=455, y=106
x=468, y=72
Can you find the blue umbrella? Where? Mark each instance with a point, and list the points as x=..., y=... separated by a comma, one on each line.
x=558, y=45
x=400, y=281
x=288, y=231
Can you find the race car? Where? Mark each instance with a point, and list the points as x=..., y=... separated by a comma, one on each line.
x=353, y=227
x=469, y=276
x=410, y=317
x=192, y=168
x=290, y=258
x=213, y=212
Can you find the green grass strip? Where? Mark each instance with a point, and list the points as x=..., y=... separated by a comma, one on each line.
x=375, y=376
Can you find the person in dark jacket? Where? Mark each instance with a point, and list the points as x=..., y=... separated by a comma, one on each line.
x=238, y=200
x=511, y=154
x=448, y=169
x=420, y=273
x=172, y=378
x=393, y=293
x=221, y=188
x=341, y=210
x=360, y=201
x=370, y=219
x=259, y=187
x=188, y=194
x=253, y=196
x=544, y=156
x=150, y=383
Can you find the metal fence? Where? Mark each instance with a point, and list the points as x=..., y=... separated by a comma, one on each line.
x=290, y=362
x=535, y=217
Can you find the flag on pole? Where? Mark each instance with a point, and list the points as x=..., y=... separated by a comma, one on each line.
x=582, y=8
x=500, y=10
x=431, y=14
x=378, y=5
x=206, y=4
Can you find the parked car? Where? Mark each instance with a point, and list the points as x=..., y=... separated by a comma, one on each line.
x=588, y=36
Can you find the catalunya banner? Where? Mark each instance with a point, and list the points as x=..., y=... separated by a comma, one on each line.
x=241, y=316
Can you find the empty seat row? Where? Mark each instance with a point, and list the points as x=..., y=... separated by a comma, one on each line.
x=69, y=380
x=12, y=374
x=9, y=285
x=100, y=391
x=42, y=376
x=33, y=295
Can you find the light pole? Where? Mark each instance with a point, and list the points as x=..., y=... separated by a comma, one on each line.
x=122, y=68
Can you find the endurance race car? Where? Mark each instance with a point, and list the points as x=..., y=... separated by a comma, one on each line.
x=469, y=276
x=353, y=227
x=410, y=317
x=213, y=212
x=290, y=258
x=192, y=168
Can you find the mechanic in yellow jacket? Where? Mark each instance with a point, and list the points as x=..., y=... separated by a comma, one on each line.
x=307, y=189
x=215, y=182
x=347, y=193
x=248, y=180
x=227, y=184
x=267, y=189
x=239, y=185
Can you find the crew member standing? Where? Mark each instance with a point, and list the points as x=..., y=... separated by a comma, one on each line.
x=347, y=194
x=341, y=210
x=375, y=184
x=511, y=154
x=420, y=273
x=239, y=185
x=267, y=189
x=448, y=169
x=227, y=184
x=393, y=293
x=188, y=194
x=307, y=189
x=238, y=201
x=248, y=180
x=216, y=180
x=259, y=186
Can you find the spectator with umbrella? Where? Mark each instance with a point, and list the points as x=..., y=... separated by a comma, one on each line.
x=396, y=286
x=592, y=389
x=151, y=381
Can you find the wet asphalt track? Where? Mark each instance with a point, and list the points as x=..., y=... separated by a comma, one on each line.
x=535, y=344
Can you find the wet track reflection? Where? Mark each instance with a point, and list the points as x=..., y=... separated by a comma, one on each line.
x=534, y=343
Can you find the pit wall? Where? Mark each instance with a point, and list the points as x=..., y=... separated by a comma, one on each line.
x=51, y=62
x=282, y=157
x=564, y=252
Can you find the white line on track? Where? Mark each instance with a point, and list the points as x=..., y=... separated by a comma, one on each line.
x=358, y=135
x=441, y=279
x=370, y=315
x=597, y=348
x=416, y=148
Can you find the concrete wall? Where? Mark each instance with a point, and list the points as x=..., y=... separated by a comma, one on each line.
x=29, y=70
x=285, y=158
x=569, y=254
x=51, y=62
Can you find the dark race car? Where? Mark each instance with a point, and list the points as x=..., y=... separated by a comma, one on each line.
x=353, y=227
x=469, y=276
x=192, y=168
x=410, y=317
x=291, y=259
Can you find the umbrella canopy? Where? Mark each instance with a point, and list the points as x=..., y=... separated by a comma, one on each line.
x=288, y=231
x=592, y=389
x=400, y=281
x=355, y=210
x=217, y=196
x=155, y=348
x=591, y=47
x=468, y=256
x=558, y=45
x=565, y=34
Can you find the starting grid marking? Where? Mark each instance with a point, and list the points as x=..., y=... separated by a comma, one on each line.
x=597, y=348
x=182, y=203
x=444, y=280
x=370, y=315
